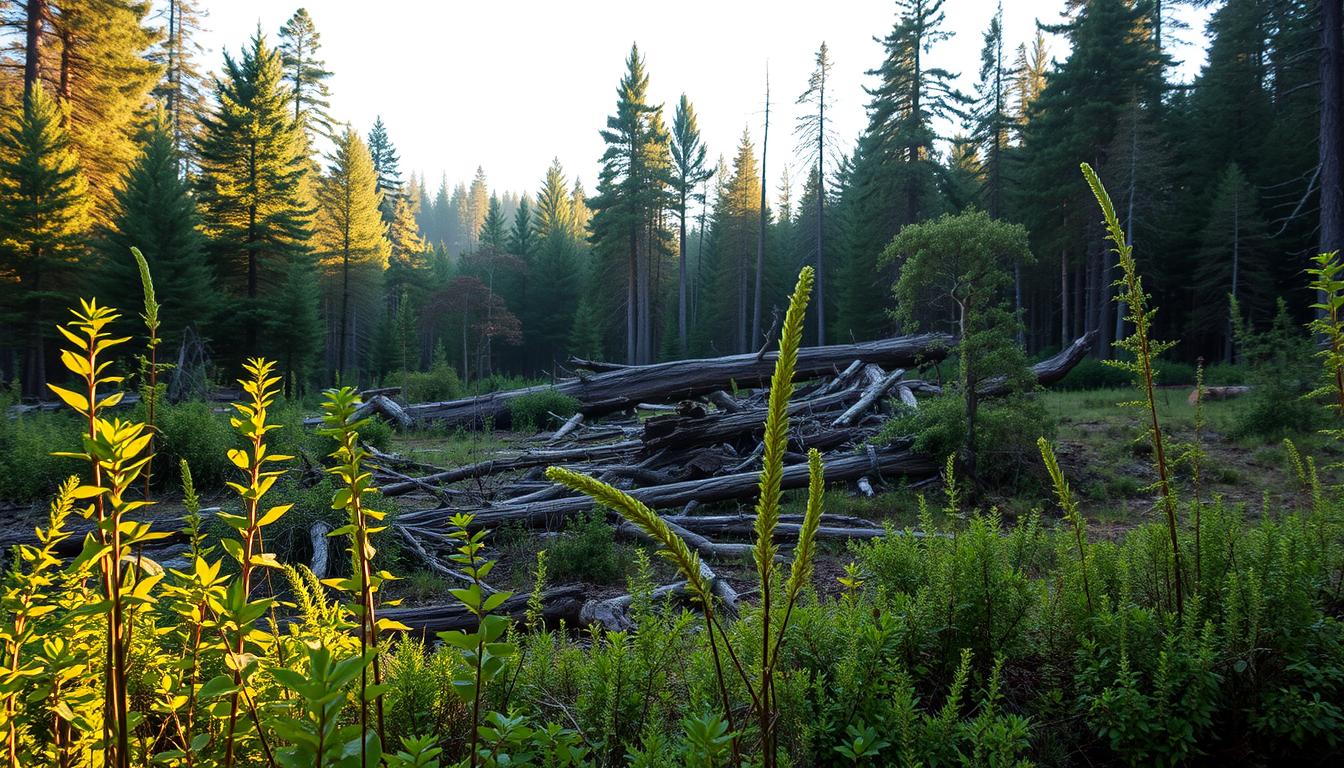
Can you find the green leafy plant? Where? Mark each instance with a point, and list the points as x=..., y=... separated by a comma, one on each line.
x=760, y=690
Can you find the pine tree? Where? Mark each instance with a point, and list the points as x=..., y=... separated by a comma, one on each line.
x=989, y=114
x=1232, y=263
x=1029, y=70
x=385, y=164
x=522, y=237
x=352, y=244
x=477, y=203
x=182, y=88
x=688, y=171
x=555, y=208
x=814, y=135
x=306, y=75
x=44, y=217
x=155, y=212
x=251, y=187
x=102, y=75
x=627, y=217
x=735, y=221
x=493, y=231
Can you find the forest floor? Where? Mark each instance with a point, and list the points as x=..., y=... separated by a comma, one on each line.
x=1101, y=446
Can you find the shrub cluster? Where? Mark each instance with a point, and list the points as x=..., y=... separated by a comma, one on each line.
x=534, y=410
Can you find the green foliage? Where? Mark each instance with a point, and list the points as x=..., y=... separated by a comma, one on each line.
x=535, y=410
x=28, y=471
x=1091, y=373
x=586, y=550
x=439, y=383
x=1005, y=435
x=1281, y=373
x=194, y=433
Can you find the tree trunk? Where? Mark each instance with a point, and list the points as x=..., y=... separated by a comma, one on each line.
x=631, y=298
x=681, y=276
x=760, y=237
x=821, y=212
x=32, y=48
x=1332, y=126
x=1063, y=297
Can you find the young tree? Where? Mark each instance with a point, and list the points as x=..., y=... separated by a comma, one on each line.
x=688, y=171
x=253, y=161
x=352, y=239
x=963, y=260
x=555, y=207
x=155, y=212
x=306, y=74
x=477, y=205
x=522, y=237
x=814, y=133
x=44, y=218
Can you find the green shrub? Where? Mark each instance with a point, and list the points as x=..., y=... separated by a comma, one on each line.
x=585, y=551
x=1225, y=375
x=440, y=382
x=1281, y=373
x=194, y=432
x=533, y=411
x=1091, y=373
x=1005, y=435
x=28, y=471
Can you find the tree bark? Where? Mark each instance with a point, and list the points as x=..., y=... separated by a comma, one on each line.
x=1332, y=126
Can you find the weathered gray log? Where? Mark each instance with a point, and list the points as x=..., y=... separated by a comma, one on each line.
x=682, y=432
x=621, y=388
x=569, y=426
x=537, y=458
x=558, y=604
x=841, y=468
x=871, y=393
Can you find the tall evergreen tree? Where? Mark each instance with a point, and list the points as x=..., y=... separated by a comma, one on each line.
x=522, y=236
x=156, y=212
x=386, y=165
x=627, y=217
x=990, y=118
x=688, y=171
x=182, y=87
x=44, y=217
x=352, y=243
x=555, y=208
x=735, y=221
x=814, y=136
x=1232, y=263
x=251, y=187
x=477, y=204
x=306, y=74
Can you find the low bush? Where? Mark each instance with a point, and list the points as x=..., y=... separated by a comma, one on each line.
x=1280, y=373
x=28, y=471
x=192, y=431
x=440, y=382
x=1091, y=373
x=586, y=551
x=534, y=410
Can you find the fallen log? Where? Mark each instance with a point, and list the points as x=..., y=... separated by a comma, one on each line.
x=841, y=468
x=870, y=395
x=557, y=604
x=621, y=388
x=536, y=458
x=1216, y=393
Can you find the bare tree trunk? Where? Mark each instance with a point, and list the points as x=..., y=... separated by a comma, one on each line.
x=631, y=300
x=760, y=237
x=1236, y=267
x=32, y=48
x=1063, y=297
x=681, y=275
x=1332, y=126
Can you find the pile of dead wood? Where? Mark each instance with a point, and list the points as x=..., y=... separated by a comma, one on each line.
x=674, y=436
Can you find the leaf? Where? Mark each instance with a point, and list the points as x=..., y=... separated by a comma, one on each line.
x=73, y=399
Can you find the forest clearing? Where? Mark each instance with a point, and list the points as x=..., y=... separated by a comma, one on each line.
x=997, y=420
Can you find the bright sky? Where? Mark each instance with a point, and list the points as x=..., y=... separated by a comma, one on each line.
x=509, y=85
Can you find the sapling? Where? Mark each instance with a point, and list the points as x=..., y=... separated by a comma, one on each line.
x=1145, y=350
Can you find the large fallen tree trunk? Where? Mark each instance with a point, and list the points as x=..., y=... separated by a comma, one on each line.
x=537, y=458
x=622, y=388
x=889, y=463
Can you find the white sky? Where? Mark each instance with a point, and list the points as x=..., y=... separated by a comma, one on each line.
x=509, y=85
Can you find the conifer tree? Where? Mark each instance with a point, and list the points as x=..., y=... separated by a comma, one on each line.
x=990, y=117
x=250, y=188
x=627, y=217
x=1232, y=266
x=493, y=231
x=182, y=87
x=306, y=75
x=735, y=221
x=102, y=75
x=155, y=212
x=386, y=165
x=555, y=208
x=1029, y=69
x=814, y=135
x=477, y=204
x=352, y=242
x=688, y=171
x=522, y=237
x=44, y=218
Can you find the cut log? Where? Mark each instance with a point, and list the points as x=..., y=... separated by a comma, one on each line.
x=838, y=469
x=618, y=389
x=1217, y=393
